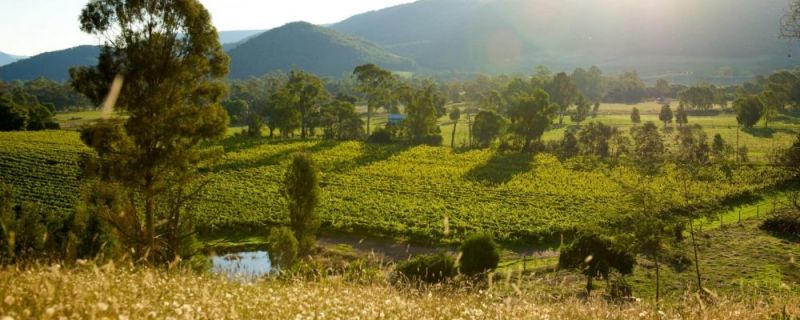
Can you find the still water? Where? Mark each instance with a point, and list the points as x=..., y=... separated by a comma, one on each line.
x=242, y=264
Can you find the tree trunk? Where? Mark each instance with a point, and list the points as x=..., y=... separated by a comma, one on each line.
x=453, y=139
x=696, y=257
x=658, y=278
x=303, y=127
x=469, y=129
x=369, y=117
x=150, y=208
x=589, y=285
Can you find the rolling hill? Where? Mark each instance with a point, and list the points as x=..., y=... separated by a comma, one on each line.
x=52, y=65
x=231, y=39
x=6, y=58
x=515, y=35
x=55, y=65
x=311, y=48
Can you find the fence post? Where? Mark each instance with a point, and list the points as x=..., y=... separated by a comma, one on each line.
x=524, y=264
x=740, y=214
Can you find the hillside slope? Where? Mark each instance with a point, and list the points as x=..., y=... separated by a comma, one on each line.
x=311, y=48
x=6, y=58
x=516, y=35
x=52, y=65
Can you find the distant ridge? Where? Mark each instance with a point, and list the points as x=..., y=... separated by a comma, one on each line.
x=654, y=37
x=311, y=48
x=6, y=58
x=52, y=65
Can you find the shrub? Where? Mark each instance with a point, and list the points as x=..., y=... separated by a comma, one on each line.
x=433, y=268
x=434, y=140
x=282, y=247
x=380, y=136
x=479, y=254
x=595, y=255
x=786, y=224
x=301, y=191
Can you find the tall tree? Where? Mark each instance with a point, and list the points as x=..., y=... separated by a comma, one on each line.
x=581, y=112
x=421, y=116
x=563, y=92
x=487, y=127
x=532, y=115
x=455, y=115
x=649, y=147
x=748, y=111
x=173, y=66
x=681, y=115
x=665, y=115
x=310, y=93
x=663, y=88
x=771, y=102
x=281, y=113
x=376, y=84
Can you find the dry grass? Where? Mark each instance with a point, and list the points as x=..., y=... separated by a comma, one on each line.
x=90, y=292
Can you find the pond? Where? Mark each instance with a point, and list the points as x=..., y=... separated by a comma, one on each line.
x=246, y=265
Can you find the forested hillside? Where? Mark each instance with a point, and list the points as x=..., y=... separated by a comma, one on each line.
x=720, y=38
x=51, y=65
x=6, y=58
x=305, y=46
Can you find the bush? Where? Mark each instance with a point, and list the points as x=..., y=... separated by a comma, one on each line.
x=785, y=224
x=428, y=268
x=301, y=191
x=434, y=140
x=380, y=136
x=479, y=254
x=282, y=247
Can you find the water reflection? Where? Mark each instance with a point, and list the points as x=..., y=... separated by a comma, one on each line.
x=244, y=265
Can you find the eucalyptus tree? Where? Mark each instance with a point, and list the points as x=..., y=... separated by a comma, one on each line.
x=309, y=94
x=167, y=68
x=531, y=115
x=377, y=85
x=455, y=115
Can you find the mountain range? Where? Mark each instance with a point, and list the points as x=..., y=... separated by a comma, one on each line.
x=656, y=37
x=653, y=37
x=6, y=58
x=304, y=46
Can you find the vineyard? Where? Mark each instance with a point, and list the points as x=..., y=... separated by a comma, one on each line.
x=43, y=167
x=392, y=190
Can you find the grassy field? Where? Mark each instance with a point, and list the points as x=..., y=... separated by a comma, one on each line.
x=760, y=141
x=120, y=292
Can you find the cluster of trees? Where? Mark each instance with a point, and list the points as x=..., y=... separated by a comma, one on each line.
x=653, y=230
x=59, y=96
x=766, y=97
x=300, y=101
x=594, y=86
x=21, y=111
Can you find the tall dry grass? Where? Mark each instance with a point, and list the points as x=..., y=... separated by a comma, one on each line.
x=92, y=292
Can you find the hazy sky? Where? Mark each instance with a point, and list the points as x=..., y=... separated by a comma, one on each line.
x=29, y=27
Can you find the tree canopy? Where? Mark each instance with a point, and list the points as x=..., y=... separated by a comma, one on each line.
x=168, y=58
